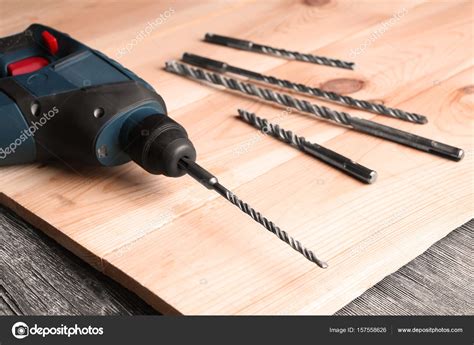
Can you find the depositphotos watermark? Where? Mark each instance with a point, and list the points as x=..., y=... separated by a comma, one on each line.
x=21, y=330
x=257, y=137
x=142, y=34
x=378, y=32
x=28, y=133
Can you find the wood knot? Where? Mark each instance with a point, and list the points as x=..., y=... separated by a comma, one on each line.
x=63, y=200
x=343, y=85
x=468, y=89
x=317, y=3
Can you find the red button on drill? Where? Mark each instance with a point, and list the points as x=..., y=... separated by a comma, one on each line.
x=51, y=42
x=27, y=65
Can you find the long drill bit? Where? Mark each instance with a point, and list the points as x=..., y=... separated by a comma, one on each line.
x=222, y=67
x=281, y=53
x=325, y=113
x=210, y=181
x=330, y=157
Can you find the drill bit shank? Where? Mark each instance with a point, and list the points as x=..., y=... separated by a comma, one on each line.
x=210, y=181
x=222, y=67
x=281, y=53
x=330, y=157
x=325, y=113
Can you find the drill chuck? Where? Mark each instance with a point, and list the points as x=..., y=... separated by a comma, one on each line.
x=157, y=144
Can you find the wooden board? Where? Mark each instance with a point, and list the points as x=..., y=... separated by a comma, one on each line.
x=184, y=249
x=38, y=277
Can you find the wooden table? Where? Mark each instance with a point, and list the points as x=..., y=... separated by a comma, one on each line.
x=185, y=250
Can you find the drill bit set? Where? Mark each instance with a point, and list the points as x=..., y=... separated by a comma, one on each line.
x=214, y=73
x=321, y=112
x=222, y=67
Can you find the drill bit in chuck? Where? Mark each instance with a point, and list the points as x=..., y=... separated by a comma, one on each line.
x=330, y=157
x=282, y=53
x=222, y=67
x=324, y=113
x=210, y=181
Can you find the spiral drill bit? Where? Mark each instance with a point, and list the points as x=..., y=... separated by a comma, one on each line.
x=325, y=113
x=222, y=67
x=210, y=181
x=281, y=53
x=330, y=157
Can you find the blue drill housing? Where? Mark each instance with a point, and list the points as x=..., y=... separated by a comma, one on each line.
x=73, y=69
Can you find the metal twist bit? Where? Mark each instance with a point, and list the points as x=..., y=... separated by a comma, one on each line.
x=263, y=93
x=270, y=226
x=282, y=53
x=365, y=105
x=361, y=125
x=275, y=130
x=319, y=152
x=320, y=60
x=222, y=67
x=210, y=182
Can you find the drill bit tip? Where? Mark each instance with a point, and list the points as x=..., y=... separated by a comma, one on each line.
x=323, y=264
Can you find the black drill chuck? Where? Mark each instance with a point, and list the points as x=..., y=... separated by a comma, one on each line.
x=157, y=144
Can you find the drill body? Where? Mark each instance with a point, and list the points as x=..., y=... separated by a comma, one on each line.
x=61, y=100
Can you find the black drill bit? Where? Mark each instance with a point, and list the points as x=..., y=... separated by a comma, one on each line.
x=282, y=53
x=330, y=157
x=325, y=113
x=222, y=67
x=210, y=181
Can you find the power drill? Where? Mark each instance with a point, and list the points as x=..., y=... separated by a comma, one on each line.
x=61, y=100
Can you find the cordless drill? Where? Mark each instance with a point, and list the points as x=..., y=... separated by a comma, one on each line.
x=61, y=100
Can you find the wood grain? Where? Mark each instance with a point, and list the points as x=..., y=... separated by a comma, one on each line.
x=185, y=250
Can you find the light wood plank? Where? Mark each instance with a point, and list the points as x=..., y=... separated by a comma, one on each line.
x=185, y=250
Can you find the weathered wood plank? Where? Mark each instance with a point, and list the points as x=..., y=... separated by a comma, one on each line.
x=38, y=277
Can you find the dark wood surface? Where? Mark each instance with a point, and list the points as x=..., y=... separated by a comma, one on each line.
x=39, y=277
